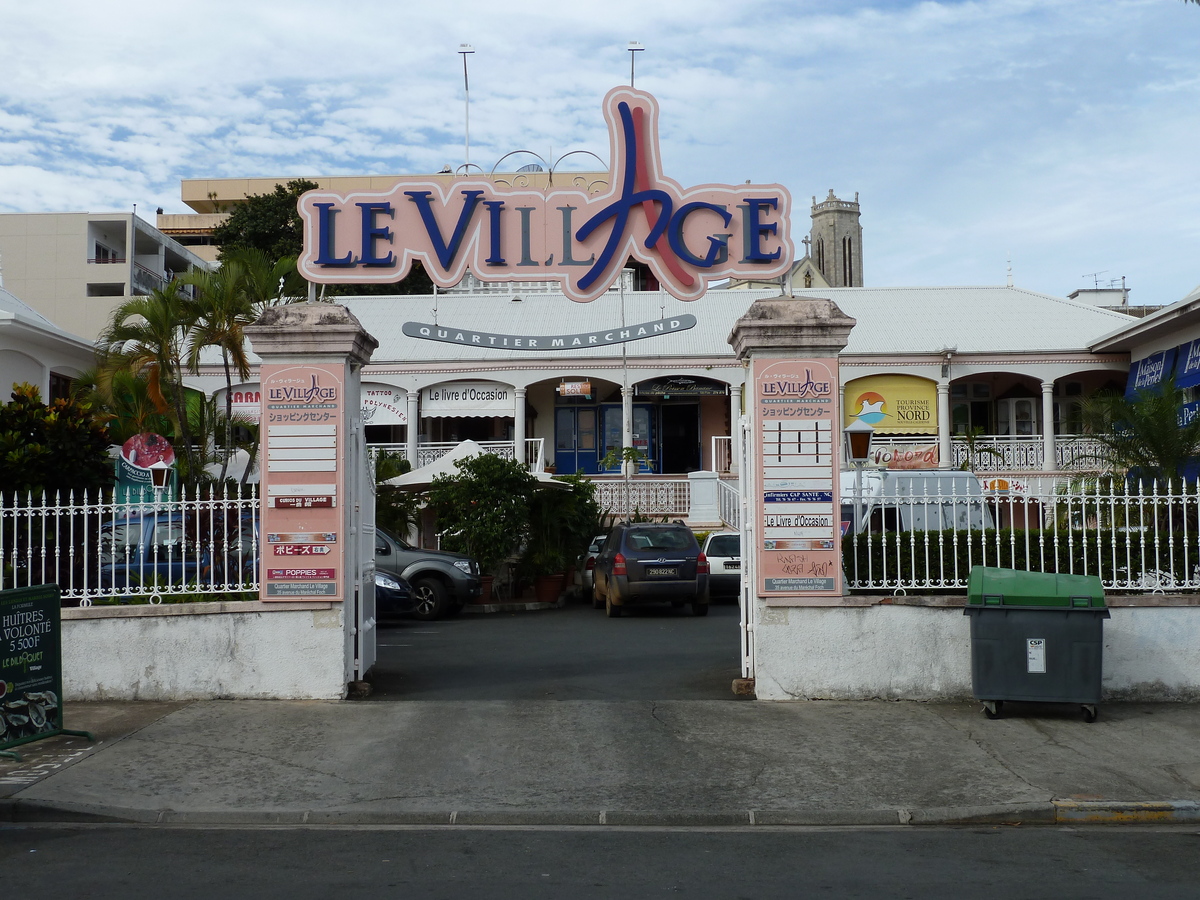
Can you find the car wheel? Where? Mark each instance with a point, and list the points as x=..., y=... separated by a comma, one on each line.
x=610, y=610
x=597, y=603
x=431, y=599
x=699, y=609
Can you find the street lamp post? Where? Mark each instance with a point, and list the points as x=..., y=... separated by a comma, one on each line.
x=857, y=442
x=635, y=47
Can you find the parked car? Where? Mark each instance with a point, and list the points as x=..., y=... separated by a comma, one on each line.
x=156, y=547
x=915, y=500
x=724, y=552
x=584, y=566
x=442, y=583
x=393, y=594
x=651, y=563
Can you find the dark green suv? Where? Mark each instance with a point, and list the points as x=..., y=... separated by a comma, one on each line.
x=651, y=563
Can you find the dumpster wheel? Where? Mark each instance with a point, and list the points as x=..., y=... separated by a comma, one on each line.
x=1090, y=713
x=992, y=708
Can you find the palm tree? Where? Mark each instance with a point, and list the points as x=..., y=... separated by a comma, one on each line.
x=1144, y=435
x=148, y=336
x=227, y=300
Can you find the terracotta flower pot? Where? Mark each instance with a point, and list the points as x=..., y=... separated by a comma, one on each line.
x=485, y=593
x=547, y=588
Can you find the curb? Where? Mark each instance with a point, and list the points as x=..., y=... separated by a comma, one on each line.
x=1057, y=812
x=1110, y=812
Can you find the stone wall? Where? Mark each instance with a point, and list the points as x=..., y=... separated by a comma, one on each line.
x=230, y=650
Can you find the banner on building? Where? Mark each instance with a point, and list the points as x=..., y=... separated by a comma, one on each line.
x=893, y=404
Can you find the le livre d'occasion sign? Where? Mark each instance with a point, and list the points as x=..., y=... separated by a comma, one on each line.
x=688, y=238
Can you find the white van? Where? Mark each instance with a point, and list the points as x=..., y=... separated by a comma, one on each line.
x=916, y=500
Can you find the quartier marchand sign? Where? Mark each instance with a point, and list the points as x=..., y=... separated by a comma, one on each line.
x=688, y=237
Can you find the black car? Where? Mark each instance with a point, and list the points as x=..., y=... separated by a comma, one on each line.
x=393, y=595
x=442, y=583
x=651, y=563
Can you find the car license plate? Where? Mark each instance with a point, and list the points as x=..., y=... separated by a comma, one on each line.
x=733, y=563
x=661, y=572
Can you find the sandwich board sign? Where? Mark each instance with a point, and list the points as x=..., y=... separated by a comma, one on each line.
x=30, y=667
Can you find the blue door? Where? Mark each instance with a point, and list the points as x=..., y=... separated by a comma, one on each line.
x=644, y=438
x=576, y=440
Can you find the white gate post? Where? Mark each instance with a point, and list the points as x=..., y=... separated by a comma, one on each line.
x=791, y=536
x=312, y=453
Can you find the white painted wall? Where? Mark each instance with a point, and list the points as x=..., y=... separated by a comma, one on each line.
x=253, y=650
x=924, y=653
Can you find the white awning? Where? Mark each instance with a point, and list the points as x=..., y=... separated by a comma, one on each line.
x=456, y=399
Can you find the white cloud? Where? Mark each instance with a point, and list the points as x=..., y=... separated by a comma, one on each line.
x=1060, y=131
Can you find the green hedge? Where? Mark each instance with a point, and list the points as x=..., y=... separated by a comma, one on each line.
x=948, y=556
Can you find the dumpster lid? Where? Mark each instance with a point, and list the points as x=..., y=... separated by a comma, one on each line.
x=990, y=586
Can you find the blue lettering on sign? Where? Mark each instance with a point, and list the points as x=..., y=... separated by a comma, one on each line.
x=445, y=252
x=371, y=233
x=798, y=497
x=325, y=257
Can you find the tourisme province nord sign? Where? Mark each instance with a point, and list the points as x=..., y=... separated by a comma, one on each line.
x=688, y=238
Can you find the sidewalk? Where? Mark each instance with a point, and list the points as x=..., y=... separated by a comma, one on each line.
x=608, y=763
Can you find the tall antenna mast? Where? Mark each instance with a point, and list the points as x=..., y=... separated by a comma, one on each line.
x=466, y=50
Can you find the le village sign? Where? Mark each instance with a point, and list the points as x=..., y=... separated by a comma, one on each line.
x=688, y=238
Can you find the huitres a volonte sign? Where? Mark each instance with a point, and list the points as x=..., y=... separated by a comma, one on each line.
x=688, y=237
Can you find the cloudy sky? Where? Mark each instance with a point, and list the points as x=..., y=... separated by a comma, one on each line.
x=1064, y=134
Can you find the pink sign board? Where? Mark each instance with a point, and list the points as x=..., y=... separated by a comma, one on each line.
x=798, y=504
x=303, y=448
x=687, y=236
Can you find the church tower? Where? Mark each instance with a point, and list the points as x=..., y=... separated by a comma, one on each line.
x=836, y=237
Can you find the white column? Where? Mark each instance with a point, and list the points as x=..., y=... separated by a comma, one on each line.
x=414, y=426
x=945, y=446
x=627, y=424
x=519, y=427
x=735, y=442
x=1049, y=457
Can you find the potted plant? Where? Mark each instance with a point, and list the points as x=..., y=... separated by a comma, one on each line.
x=483, y=510
x=561, y=523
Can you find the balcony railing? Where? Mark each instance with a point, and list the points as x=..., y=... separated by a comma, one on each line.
x=722, y=453
x=146, y=281
x=535, y=456
x=999, y=453
x=644, y=496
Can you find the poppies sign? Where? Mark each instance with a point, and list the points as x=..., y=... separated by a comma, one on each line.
x=687, y=236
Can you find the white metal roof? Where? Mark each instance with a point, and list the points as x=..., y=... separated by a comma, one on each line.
x=890, y=321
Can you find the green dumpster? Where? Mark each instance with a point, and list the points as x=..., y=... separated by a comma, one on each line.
x=1036, y=637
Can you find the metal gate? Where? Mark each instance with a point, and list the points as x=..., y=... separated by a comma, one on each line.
x=362, y=553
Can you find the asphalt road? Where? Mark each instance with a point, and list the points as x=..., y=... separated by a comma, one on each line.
x=572, y=653
x=526, y=864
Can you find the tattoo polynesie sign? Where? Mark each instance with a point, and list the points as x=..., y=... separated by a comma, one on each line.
x=688, y=237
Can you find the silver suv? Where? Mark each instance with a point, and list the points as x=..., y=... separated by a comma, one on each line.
x=442, y=583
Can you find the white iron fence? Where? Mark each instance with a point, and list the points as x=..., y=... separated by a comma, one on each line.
x=645, y=496
x=1135, y=537
x=203, y=545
